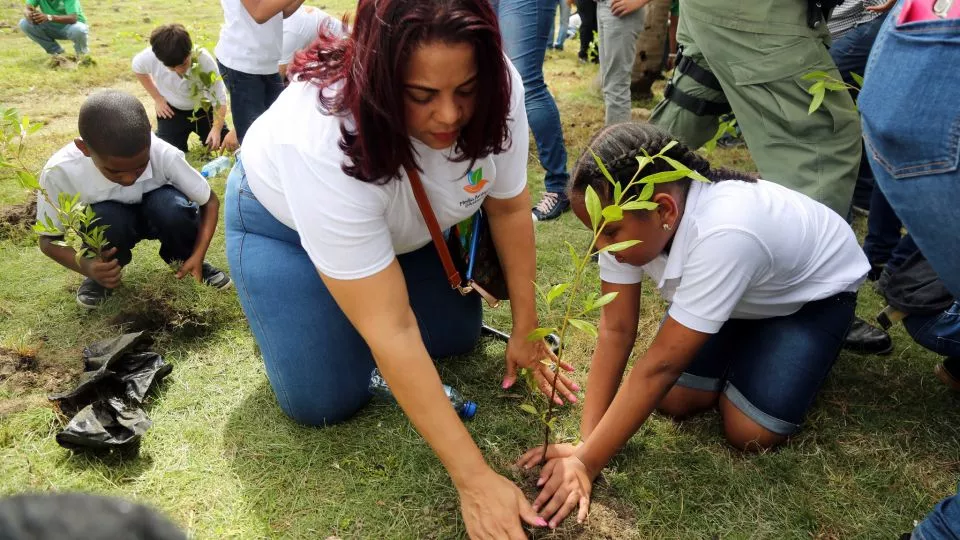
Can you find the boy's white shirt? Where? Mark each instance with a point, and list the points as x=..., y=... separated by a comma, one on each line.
x=302, y=28
x=71, y=172
x=174, y=88
x=353, y=229
x=247, y=46
x=748, y=251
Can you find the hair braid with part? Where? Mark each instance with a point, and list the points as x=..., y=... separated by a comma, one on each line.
x=618, y=147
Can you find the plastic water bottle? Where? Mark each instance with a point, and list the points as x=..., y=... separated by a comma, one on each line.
x=215, y=167
x=466, y=409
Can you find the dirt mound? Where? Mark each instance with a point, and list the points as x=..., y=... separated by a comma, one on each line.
x=27, y=379
x=17, y=218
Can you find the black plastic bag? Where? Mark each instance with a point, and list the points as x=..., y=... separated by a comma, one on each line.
x=106, y=404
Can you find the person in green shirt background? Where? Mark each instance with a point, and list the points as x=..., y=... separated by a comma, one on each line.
x=46, y=21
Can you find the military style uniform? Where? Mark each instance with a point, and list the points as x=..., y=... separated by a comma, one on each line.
x=749, y=56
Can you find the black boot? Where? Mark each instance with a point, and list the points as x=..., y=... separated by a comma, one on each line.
x=865, y=339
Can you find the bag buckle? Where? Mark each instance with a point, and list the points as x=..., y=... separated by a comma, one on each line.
x=473, y=286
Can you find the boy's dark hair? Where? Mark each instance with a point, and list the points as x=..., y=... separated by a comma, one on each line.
x=171, y=44
x=114, y=123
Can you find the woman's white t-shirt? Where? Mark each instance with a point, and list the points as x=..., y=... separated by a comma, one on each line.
x=174, y=88
x=353, y=229
x=246, y=45
x=748, y=251
x=302, y=28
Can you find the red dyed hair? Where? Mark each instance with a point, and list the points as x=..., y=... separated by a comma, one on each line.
x=370, y=63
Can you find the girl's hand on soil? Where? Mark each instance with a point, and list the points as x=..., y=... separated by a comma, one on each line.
x=105, y=270
x=213, y=141
x=192, y=266
x=163, y=108
x=566, y=485
x=528, y=354
x=493, y=507
x=534, y=456
x=622, y=8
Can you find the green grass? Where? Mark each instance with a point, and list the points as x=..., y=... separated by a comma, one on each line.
x=880, y=447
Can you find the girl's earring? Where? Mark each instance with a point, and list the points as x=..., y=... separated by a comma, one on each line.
x=666, y=226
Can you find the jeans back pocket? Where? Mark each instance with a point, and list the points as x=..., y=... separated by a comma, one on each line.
x=909, y=103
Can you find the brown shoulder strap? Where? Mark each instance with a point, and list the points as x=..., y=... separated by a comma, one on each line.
x=428, y=216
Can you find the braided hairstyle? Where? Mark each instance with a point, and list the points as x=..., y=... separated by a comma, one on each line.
x=618, y=146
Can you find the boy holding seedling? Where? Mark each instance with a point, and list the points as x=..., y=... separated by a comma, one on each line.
x=139, y=187
x=188, y=94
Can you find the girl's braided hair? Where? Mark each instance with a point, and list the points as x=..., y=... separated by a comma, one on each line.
x=618, y=147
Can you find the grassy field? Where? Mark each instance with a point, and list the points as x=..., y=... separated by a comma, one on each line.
x=880, y=447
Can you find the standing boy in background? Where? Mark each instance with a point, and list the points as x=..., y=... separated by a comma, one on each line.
x=138, y=186
x=183, y=102
x=249, y=50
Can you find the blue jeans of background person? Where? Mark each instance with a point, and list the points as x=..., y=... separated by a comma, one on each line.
x=943, y=522
x=317, y=363
x=562, y=29
x=911, y=125
x=164, y=214
x=250, y=96
x=525, y=25
x=939, y=333
x=883, y=227
x=46, y=35
x=772, y=369
x=850, y=53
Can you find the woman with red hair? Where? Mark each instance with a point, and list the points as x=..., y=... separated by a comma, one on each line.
x=333, y=261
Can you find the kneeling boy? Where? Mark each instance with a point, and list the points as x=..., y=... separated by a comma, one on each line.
x=139, y=186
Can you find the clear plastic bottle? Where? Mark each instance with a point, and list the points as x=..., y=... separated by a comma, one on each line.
x=466, y=409
x=215, y=167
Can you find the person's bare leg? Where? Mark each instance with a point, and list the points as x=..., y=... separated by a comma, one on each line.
x=743, y=433
x=681, y=402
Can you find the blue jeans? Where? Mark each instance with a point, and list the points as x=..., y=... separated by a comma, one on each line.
x=164, y=214
x=911, y=126
x=564, y=27
x=46, y=35
x=525, y=25
x=772, y=369
x=939, y=333
x=317, y=363
x=883, y=228
x=850, y=53
x=250, y=96
x=943, y=522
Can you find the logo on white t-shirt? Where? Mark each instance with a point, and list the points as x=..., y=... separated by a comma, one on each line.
x=475, y=184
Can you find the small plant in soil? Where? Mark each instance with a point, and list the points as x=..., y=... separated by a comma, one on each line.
x=573, y=306
x=77, y=218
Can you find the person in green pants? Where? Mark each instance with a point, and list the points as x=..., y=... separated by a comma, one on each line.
x=749, y=56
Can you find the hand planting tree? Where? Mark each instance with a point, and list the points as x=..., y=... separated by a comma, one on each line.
x=575, y=307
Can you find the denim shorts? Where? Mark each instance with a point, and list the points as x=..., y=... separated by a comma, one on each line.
x=772, y=369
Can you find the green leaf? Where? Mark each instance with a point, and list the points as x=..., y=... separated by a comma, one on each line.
x=814, y=75
x=28, y=180
x=857, y=79
x=620, y=246
x=556, y=291
x=835, y=86
x=816, y=87
x=573, y=254
x=668, y=176
x=526, y=407
x=646, y=192
x=540, y=333
x=639, y=205
x=667, y=148
x=816, y=101
x=617, y=192
x=584, y=326
x=593, y=207
x=643, y=161
x=605, y=299
x=612, y=213
x=602, y=167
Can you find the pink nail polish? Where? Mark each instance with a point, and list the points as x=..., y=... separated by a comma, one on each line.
x=541, y=522
x=576, y=387
x=573, y=399
x=540, y=482
x=507, y=383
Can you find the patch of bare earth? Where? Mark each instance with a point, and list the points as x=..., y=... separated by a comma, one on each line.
x=28, y=379
x=17, y=217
